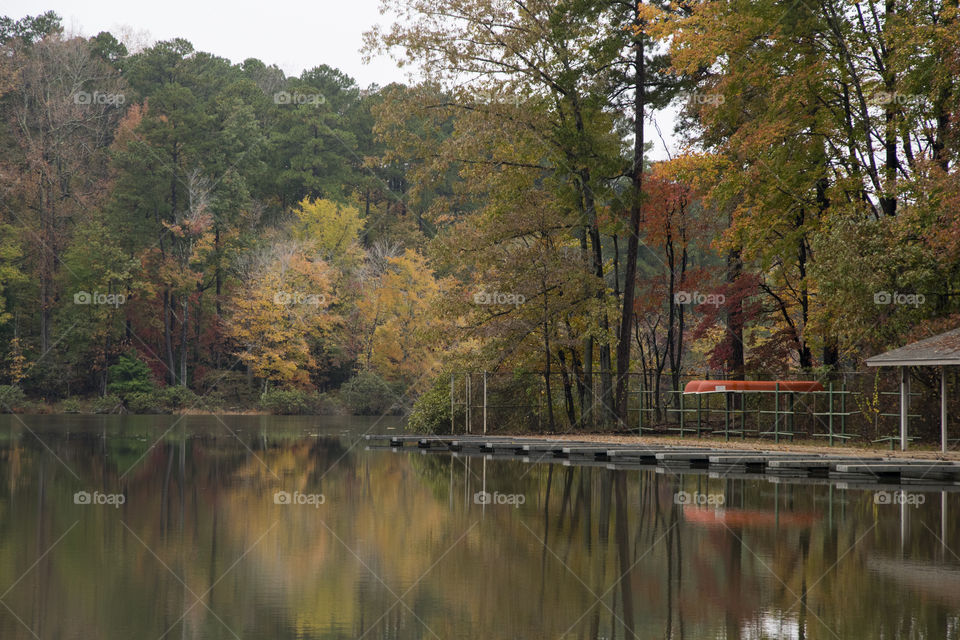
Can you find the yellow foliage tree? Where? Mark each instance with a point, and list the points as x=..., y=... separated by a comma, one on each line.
x=285, y=311
x=330, y=227
x=395, y=311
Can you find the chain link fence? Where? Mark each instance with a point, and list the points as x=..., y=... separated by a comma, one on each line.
x=854, y=406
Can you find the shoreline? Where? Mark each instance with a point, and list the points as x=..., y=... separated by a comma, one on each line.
x=179, y=412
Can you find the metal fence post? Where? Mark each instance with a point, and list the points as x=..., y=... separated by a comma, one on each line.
x=843, y=405
x=484, y=402
x=830, y=411
x=699, y=406
x=776, y=413
x=726, y=416
x=682, y=421
x=640, y=412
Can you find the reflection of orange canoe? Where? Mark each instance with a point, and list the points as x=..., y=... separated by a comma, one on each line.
x=746, y=517
x=719, y=386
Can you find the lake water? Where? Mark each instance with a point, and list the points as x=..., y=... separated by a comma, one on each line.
x=280, y=528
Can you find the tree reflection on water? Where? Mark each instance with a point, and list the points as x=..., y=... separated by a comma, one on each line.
x=400, y=547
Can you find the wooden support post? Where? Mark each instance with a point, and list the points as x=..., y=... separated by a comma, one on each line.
x=451, y=404
x=904, y=406
x=943, y=409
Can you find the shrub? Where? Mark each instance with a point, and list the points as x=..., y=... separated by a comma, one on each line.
x=229, y=388
x=129, y=375
x=11, y=398
x=211, y=401
x=107, y=404
x=70, y=405
x=431, y=411
x=47, y=379
x=367, y=394
x=146, y=402
x=331, y=405
x=178, y=397
x=290, y=401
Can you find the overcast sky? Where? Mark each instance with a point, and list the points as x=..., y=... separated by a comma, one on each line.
x=291, y=34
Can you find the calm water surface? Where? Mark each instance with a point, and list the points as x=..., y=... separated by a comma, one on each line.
x=277, y=528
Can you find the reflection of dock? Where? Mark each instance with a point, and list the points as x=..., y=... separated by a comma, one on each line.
x=723, y=462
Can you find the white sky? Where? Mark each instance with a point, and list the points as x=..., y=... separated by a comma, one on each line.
x=292, y=34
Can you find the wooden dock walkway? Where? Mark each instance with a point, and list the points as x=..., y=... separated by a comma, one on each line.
x=782, y=465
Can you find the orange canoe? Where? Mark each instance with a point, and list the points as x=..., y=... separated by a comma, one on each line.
x=741, y=386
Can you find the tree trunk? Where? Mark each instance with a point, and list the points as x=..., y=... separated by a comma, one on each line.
x=168, y=337
x=185, y=342
x=633, y=242
x=735, y=365
x=569, y=404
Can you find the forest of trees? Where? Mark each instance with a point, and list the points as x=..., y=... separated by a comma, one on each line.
x=179, y=231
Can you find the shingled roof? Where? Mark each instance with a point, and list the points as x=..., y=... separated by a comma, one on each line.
x=939, y=350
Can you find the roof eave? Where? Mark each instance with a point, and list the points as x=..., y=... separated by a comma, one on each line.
x=908, y=362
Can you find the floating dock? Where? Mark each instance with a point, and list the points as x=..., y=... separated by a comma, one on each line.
x=667, y=458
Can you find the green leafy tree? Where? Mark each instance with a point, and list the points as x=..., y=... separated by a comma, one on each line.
x=130, y=375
